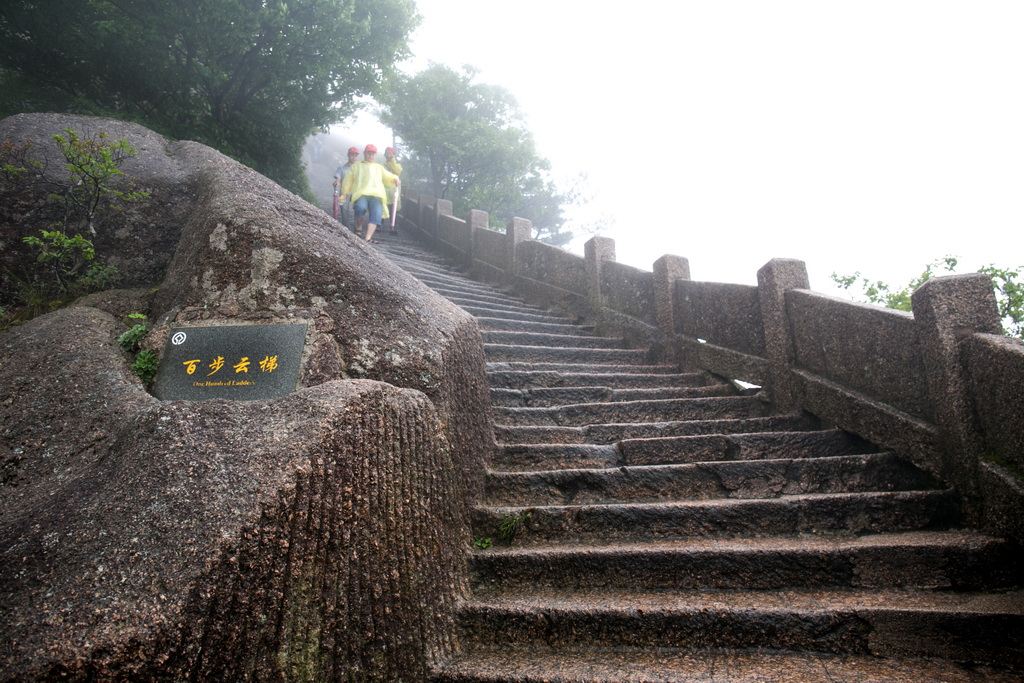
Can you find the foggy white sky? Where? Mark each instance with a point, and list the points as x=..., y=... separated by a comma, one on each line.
x=872, y=136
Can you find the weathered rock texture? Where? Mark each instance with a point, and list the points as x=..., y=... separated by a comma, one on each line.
x=139, y=240
x=308, y=538
x=247, y=487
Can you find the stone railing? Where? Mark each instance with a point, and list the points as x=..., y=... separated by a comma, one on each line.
x=940, y=386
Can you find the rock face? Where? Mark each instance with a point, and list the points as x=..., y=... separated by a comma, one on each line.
x=312, y=537
x=139, y=240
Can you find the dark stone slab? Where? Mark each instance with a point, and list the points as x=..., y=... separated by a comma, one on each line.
x=237, y=362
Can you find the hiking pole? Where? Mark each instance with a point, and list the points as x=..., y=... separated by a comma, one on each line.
x=394, y=207
x=334, y=206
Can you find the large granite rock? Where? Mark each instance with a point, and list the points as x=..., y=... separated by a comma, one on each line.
x=307, y=537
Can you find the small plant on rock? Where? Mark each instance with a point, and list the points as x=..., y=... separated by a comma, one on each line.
x=482, y=543
x=145, y=362
x=145, y=366
x=131, y=339
x=512, y=525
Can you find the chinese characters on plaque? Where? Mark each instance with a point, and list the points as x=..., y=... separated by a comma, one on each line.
x=244, y=362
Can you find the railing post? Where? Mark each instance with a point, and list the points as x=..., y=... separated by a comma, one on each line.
x=442, y=207
x=476, y=220
x=667, y=270
x=596, y=251
x=413, y=202
x=947, y=310
x=518, y=230
x=773, y=279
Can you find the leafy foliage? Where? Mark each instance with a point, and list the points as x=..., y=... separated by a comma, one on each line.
x=64, y=263
x=482, y=542
x=1009, y=290
x=92, y=163
x=61, y=257
x=15, y=161
x=130, y=339
x=511, y=525
x=145, y=366
x=251, y=78
x=467, y=142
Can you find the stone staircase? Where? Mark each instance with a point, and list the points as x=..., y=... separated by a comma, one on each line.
x=648, y=524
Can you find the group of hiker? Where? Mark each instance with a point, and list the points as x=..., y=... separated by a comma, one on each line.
x=368, y=189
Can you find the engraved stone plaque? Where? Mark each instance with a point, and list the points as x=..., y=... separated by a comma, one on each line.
x=238, y=362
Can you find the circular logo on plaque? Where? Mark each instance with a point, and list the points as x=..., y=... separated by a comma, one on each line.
x=178, y=338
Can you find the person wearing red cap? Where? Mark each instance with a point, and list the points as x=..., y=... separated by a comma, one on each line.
x=339, y=175
x=366, y=185
x=391, y=164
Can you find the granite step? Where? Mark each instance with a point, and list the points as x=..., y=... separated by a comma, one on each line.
x=610, y=433
x=958, y=559
x=743, y=446
x=741, y=479
x=972, y=627
x=538, y=379
x=456, y=284
x=523, y=338
x=515, y=457
x=675, y=409
x=441, y=269
x=552, y=354
x=829, y=513
x=584, y=368
x=538, y=663
x=451, y=282
x=480, y=298
x=415, y=253
x=531, y=457
x=500, y=325
x=503, y=307
x=488, y=312
x=445, y=277
x=556, y=396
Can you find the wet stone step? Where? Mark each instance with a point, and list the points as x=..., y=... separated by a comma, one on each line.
x=504, y=307
x=756, y=446
x=435, y=269
x=548, y=339
x=973, y=627
x=544, y=456
x=705, y=481
x=457, y=285
x=927, y=560
x=556, y=396
x=536, y=379
x=481, y=298
x=610, y=433
x=831, y=513
x=539, y=663
x=514, y=456
x=727, y=407
x=516, y=352
x=446, y=277
x=583, y=368
x=489, y=312
x=499, y=325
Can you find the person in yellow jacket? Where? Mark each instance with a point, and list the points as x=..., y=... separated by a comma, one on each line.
x=391, y=164
x=366, y=184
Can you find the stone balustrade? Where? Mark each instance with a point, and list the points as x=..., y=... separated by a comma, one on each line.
x=939, y=386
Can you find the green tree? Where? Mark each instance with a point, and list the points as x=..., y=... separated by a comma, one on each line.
x=63, y=261
x=251, y=78
x=1009, y=290
x=467, y=142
